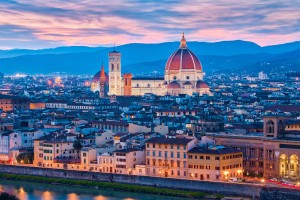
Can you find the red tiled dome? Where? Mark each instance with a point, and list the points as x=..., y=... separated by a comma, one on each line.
x=183, y=59
x=201, y=84
x=96, y=77
x=173, y=85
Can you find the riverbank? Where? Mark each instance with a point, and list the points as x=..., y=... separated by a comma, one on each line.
x=208, y=187
x=111, y=186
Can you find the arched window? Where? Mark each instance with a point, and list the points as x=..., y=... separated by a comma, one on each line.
x=270, y=126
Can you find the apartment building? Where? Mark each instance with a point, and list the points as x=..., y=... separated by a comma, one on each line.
x=125, y=160
x=55, y=150
x=215, y=163
x=167, y=157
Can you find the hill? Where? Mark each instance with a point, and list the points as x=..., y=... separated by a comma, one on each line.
x=146, y=58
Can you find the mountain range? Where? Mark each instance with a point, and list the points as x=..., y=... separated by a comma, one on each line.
x=147, y=58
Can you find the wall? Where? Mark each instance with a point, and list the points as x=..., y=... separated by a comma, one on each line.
x=279, y=194
x=215, y=187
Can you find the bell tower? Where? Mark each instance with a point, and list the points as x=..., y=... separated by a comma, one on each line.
x=115, y=81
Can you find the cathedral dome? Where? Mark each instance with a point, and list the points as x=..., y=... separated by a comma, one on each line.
x=173, y=85
x=183, y=59
x=96, y=78
x=201, y=84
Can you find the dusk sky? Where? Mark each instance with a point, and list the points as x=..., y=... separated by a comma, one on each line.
x=50, y=23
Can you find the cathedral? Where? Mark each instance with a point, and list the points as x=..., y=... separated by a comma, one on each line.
x=183, y=75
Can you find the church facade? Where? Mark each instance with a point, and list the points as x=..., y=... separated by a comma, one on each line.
x=183, y=75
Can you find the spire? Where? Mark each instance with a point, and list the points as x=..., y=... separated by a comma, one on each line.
x=183, y=42
x=102, y=72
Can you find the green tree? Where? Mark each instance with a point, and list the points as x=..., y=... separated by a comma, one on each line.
x=25, y=158
x=77, y=146
x=6, y=196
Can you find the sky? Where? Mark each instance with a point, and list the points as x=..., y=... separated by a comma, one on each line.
x=36, y=24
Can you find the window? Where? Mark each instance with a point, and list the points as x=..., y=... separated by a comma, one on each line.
x=217, y=158
x=153, y=153
x=187, y=77
x=201, y=157
x=207, y=157
x=252, y=152
x=178, y=155
x=184, y=155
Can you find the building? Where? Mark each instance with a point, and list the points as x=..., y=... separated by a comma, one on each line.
x=274, y=154
x=215, y=163
x=126, y=159
x=167, y=157
x=100, y=80
x=183, y=75
x=9, y=103
x=262, y=76
x=55, y=150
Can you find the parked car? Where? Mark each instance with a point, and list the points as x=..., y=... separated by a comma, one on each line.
x=235, y=179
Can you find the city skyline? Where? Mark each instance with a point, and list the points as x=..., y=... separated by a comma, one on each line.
x=55, y=23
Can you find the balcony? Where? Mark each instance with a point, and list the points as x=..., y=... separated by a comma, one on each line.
x=67, y=160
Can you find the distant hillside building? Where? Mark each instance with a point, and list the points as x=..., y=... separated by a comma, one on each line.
x=183, y=75
x=262, y=76
x=9, y=103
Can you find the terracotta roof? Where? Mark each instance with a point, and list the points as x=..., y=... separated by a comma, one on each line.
x=201, y=84
x=203, y=150
x=163, y=140
x=173, y=85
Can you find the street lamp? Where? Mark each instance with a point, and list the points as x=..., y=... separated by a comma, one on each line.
x=226, y=174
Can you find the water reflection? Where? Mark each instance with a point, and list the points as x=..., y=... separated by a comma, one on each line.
x=22, y=194
x=73, y=196
x=38, y=191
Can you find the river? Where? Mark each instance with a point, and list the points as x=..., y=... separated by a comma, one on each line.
x=38, y=191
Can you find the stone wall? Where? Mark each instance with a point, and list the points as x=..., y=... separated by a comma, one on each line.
x=241, y=189
x=279, y=194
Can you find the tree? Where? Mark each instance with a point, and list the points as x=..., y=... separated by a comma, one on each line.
x=25, y=158
x=6, y=196
x=77, y=146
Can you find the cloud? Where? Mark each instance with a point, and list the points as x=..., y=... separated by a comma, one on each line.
x=93, y=22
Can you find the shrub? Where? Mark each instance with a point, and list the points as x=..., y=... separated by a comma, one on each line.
x=6, y=196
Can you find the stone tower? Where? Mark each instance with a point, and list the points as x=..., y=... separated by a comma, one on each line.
x=127, y=84
x=115, y=81
x=102, y=85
